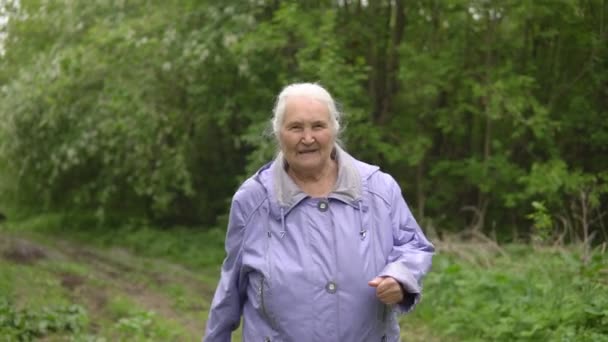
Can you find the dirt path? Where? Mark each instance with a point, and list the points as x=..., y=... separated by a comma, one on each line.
x=168, y=290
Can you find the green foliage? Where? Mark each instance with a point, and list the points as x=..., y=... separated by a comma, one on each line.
x=524, y=296
x=93, y=124
x=27, y=325
x=154, y=111
x=570, y=198
x=136, y=325
x=542, y=221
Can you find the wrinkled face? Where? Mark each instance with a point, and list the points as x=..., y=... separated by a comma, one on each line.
x=306, y=136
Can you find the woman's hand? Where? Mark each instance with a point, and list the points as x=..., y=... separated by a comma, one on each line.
x=388, y=290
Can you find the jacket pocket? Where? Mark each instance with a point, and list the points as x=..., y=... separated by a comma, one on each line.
x=264, y=293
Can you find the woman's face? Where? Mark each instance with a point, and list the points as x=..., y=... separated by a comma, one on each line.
x=306, y=136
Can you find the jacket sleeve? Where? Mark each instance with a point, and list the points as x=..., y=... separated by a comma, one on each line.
x=411, y=255
x=226, y=308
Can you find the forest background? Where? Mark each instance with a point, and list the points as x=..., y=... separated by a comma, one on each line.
x=145, y=116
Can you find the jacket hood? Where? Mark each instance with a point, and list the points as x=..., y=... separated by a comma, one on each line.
x=284, y=194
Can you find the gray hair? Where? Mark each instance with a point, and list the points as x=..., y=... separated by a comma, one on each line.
x=309, y=90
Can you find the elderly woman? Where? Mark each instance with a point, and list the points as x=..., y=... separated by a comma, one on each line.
x=320, y=246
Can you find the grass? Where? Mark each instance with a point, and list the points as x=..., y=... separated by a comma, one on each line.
x=33, y=304
x=196, y=248
x=117, y=295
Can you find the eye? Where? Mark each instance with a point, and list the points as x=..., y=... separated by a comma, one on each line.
x=319, y=125
x=295, y=128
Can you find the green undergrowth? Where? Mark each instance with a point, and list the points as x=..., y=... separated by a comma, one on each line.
x=58, y=283
x=33, y=305
x=525, y=294
x=59, y=300
x=29, y=324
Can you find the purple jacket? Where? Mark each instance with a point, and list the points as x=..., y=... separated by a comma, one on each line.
x=297, y=267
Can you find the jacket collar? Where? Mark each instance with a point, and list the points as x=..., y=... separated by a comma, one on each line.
x=347, y=187
x=283, y=194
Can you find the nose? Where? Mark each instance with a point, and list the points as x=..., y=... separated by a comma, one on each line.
x=307, y=137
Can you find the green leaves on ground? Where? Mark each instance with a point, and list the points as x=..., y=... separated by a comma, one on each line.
x=27, y=325
x=524, y=295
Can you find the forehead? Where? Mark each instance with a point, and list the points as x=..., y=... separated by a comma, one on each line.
x=300, y=108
